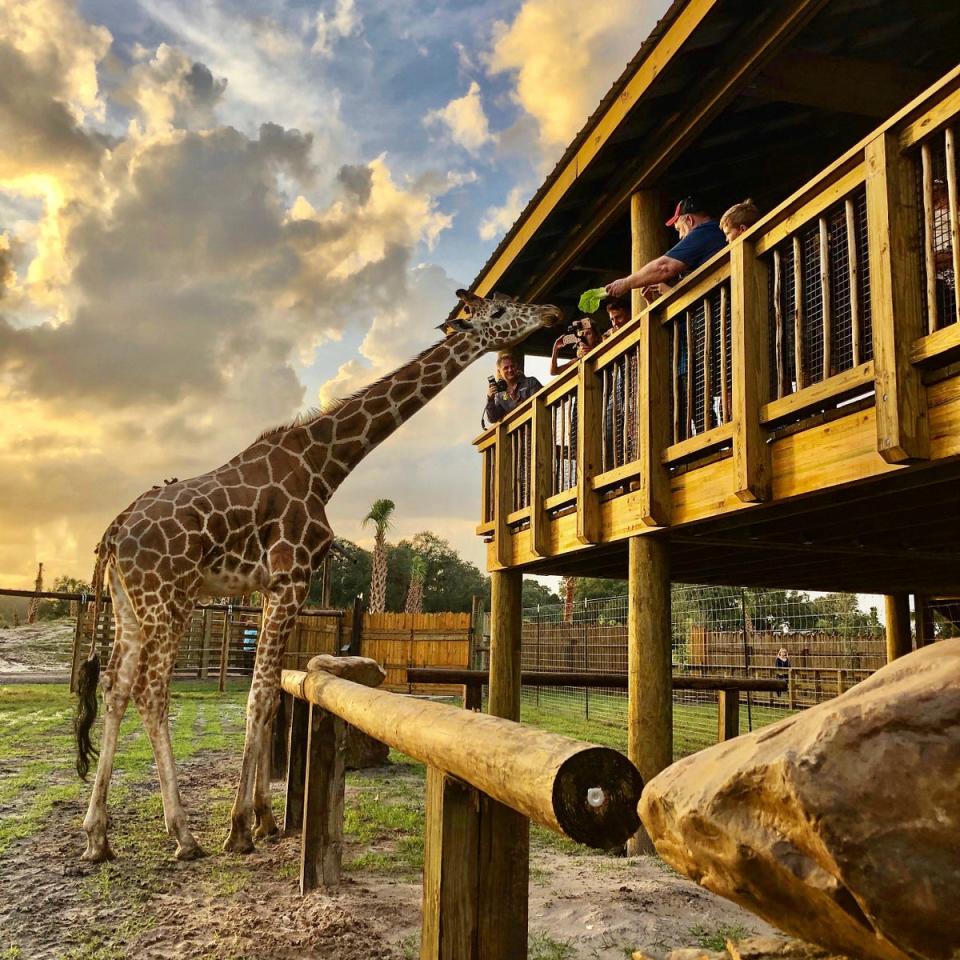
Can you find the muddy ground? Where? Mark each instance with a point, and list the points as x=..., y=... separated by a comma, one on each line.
x=145, y=904
x=42, y=647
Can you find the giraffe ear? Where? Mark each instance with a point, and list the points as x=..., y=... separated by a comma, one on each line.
x=467, y=297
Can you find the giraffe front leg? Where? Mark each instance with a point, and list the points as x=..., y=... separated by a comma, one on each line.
x=278, y=620
x=262, y=803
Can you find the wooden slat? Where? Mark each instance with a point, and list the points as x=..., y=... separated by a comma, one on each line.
x=561, y=499
x=897, y=318
x=937, y=348
x=778, y=320
x=751, y=365
x=589, y=449
x=675, y=380
x=853, y=276
x=688, y=413
x=929, y=230
x=541, y=464
x=502, y=487
x=851, y=381
x=952, y=198
x=694, y=287
x=653, y=425
x=707, y=362
x=724, y=356
x=799, y=366
x=826, y=312
x=698, y=444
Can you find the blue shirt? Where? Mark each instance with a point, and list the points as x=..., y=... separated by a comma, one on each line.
x=699, y=245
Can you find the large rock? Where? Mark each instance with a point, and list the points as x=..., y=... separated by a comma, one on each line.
x=840, y=825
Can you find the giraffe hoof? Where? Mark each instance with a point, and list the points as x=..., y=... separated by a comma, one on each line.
x=190, y=851
x=267, y=827
x=98, y=852
x=239, y=843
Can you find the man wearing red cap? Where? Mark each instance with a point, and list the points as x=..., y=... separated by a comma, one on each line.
x=700, y=238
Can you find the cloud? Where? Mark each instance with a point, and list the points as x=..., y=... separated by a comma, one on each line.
x=498, y=220
x=161, y=309
x=343, y=22
x=562, y=62
x=464, y=119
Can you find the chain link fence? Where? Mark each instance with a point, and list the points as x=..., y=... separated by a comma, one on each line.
x=825, y=645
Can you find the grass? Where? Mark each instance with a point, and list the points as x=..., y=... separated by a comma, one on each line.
x=715, y=938
x=543, y=947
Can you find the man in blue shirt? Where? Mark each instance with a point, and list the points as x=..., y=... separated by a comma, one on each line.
x=700, y=238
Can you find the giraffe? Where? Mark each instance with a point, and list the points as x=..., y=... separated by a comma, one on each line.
x=256, y=523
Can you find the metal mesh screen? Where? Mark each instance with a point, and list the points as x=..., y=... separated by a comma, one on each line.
x=563, y=446
x=520, y=454
x=620, y=419
x=936, y=210
x=717, y=631
x=489, y=483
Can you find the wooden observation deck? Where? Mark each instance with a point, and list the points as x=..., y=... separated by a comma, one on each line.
x=787, y=415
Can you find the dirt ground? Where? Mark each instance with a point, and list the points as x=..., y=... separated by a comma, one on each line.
x=41, y=647
x=52, y=905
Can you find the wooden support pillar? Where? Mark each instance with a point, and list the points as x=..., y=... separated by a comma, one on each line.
x=356, y=628
x=923, y=618
x=898, y=625
x=647, y=240
x=896, y=277
x=504, y=869
x=728, y=714
x=649, y=664
x=296, y=766
x=321, y=848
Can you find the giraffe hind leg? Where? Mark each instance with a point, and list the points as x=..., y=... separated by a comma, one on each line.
x=266, y=825
x=116, y=684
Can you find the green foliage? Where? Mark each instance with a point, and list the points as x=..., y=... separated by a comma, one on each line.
x=715, y=938
x=590, y=299
x=536, y=594
x=598, y=588
x=379, y=516
x=449, y=581
x=544, y=947
x=55, y=609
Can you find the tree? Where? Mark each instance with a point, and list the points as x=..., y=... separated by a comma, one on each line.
x=418, y=569
x=568, y=594
x=449, y=583
x=350, y=567
x=379, y=516
x=54, y=609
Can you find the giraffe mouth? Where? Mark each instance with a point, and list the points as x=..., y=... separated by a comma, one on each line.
x=552, y=316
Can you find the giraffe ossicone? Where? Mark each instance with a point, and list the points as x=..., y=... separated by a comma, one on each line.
x=256, y=523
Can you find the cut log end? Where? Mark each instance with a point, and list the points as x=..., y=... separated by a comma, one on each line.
x=595, y=797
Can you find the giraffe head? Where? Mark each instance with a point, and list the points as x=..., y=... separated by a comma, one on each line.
x=499, y=322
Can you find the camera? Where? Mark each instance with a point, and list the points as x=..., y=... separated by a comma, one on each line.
x=501, y=385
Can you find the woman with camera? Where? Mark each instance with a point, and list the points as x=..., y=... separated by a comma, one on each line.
x=581, y=335
x=508, y=389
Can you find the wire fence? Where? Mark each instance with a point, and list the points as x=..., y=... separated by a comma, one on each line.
x=824, y=645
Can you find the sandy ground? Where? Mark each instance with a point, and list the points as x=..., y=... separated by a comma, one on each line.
x=52, y=905
x=40, y=647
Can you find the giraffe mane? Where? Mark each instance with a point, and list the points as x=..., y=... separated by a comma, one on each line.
x=311, y=415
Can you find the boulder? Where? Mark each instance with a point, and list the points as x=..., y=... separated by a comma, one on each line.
x=839, y=825
x=358, y=669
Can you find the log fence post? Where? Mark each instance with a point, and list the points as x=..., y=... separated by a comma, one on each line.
x=296, y=766
x=728, y=714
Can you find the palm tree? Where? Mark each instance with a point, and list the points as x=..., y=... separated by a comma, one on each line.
x=568, y=587
x=418, y=569
x=379, y=516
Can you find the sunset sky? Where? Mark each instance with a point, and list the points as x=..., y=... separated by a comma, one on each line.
x=215, y=214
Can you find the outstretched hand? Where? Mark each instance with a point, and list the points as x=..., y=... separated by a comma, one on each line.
x=618, y=288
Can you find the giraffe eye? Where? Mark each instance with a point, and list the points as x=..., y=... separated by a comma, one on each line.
x=499, y=312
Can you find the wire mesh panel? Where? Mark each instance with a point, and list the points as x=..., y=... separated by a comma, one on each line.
x=700, y=343
x=620, y=414
x=563, y=443
x=489, y=482
x=819, y=294
x=940, y=224
x=519, y=441
x=827, y=642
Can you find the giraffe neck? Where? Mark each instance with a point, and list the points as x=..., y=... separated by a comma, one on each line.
x=367, y=418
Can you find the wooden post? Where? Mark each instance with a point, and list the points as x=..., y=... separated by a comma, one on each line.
x=356, y=627
x=78, y=646
x=450, y=870
x=296, y=766
x=281, y=734
x=898, y=625
x=502, y=496
x=224, y=650
x=322, y=844
x=206, y=643
x=540, y=474
x=728, y=714
x=751, y=371
x=646, y=236
x=893, y=235
x=791, y=693
x=504, y=834
x=590, y=443
x=654, y=427
x=473, y=696
x=923, y=617
x=649, y=665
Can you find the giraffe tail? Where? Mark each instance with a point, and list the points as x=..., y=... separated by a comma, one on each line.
x=89, y=673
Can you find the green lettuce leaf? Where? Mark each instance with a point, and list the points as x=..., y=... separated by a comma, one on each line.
x=590, y=299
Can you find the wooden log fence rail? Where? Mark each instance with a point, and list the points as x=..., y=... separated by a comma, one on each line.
x=478, y=765
x=812, y=307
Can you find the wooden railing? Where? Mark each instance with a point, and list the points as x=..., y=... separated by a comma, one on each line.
x=818, y=304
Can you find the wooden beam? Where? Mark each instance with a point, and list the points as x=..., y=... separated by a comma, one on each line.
x=893, y=230
x=589, y=451
x=654, y=425
x=649, y=664
x=751, y=372
x=728, y=714
x=839, y=84
x=505, y=636
x=899, y=642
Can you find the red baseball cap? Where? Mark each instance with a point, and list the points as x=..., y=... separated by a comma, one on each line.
x=685, y=206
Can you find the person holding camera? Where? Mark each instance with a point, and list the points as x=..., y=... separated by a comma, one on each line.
x=508, y=389
x=581, y=335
